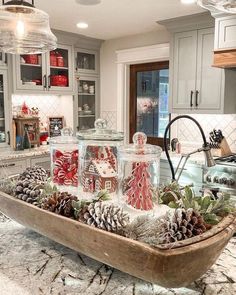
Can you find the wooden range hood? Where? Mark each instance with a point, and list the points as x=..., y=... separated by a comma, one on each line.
x=225, y=59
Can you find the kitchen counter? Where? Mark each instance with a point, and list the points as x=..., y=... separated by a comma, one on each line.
x=8, y=154
x=31, y=264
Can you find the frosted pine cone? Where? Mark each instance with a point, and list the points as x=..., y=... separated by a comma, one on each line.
x=182, y=225
x=36, y=173
x=27, y=190
x=108, y=217
x=60, y=203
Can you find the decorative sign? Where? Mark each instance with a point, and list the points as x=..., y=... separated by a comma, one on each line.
x=55, y=125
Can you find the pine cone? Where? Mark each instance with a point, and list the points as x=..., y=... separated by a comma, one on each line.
x=108, y=217
x=59, y=203
x=28, y=191
x=182, y=225
x=36, y=173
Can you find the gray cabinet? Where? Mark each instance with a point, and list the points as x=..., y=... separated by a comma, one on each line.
x=4, y=110
x=196, y=86
x=87, y=62
x=45, y=73
x=184, y=69
x=225, y=32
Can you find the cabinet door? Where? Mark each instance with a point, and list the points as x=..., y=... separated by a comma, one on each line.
x=208, y=83
x=225, y=33
x=60, y=69
x=4, y=110
x=87, y=108
x=30, y=72
x=184, y=72
x=86, y=61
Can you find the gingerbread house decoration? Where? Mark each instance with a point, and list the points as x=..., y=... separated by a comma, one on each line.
x=99, y=175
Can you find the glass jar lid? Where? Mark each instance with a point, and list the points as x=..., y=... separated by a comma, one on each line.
x=100, y=132
x=66, y=137
x=140, y=147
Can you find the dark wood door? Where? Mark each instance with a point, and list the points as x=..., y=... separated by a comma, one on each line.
x=149, y=94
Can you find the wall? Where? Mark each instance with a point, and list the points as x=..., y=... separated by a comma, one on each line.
x=49, y=105
x=108, y=72
x=189, y=135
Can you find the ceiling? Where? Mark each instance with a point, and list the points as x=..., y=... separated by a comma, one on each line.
x=113, y=18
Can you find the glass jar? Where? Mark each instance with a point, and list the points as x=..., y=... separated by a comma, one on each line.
x=139, y=174
x=64, y=160
x=98, y=159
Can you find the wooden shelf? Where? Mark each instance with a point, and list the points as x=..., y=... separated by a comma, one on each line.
x=59, y=68
x=31, y=65
x=85, y=93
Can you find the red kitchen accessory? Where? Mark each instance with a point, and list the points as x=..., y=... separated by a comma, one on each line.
x=64, y=159
x=37, y=81
x=31, y=59
x=59, y=80
x=53, y=59
x=60, y=60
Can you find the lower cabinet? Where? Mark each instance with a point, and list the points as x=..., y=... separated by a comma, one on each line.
x=14, y=167
x=41, y=161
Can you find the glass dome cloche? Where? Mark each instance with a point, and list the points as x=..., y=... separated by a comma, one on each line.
x=98, y=159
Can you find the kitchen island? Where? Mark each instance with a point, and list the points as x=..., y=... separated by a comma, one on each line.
x=31, y=264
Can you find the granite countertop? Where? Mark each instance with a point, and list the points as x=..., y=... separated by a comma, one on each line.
x=9, y=154
x=31, y=264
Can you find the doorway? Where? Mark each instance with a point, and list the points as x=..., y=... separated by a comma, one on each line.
x=149, y=95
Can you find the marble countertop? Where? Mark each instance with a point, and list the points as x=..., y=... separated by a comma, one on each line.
x=9, y=154
x=31, y=264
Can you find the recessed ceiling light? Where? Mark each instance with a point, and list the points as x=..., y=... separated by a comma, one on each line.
x=188, y=1
x=88, y=2
x=82, y=25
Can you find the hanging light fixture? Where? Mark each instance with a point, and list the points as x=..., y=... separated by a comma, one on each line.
x=24, y=29
x=228, y=6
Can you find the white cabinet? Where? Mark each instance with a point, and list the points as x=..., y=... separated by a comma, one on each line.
x=52, y=72
x=225, y=32
x=13, y=167
x=196, y=86
x=184, y=69
x=41, y=161
x=4, y=110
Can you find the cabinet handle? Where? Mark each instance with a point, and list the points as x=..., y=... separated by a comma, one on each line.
x=191, y=99
x=49, y=81
x=44, y=81
x=197, y=93
x=7, y=165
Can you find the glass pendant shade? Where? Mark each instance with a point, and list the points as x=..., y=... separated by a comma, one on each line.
x=25, y=30
x=228, y=6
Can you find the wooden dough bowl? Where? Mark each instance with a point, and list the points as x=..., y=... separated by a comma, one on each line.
x=171, y=268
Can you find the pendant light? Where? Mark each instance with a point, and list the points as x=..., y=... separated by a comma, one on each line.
x=228, y=6
x=24, y=29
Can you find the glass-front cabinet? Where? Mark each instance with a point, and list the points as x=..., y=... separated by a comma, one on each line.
x=86, y=61
x=4, y=120
x=45, y=72
x=87, y=102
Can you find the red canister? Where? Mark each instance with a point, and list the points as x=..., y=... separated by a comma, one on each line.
x=60, y=60
x=53, y=59
x=31, y=59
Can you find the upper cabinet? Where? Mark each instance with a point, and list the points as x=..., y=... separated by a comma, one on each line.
x=196, y=86
x=86, y=61
x=51, y=72
x=225, y=32
x=4, y=109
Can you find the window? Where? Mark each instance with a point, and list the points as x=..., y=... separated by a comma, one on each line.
x=108, y=185
x=149, y=94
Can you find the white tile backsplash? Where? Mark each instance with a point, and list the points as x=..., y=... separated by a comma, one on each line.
x=188, y=133
x=49, y=105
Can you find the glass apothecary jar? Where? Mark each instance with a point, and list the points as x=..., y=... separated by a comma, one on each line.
x=64, y=159
x=139, y=174
x=98, y=159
